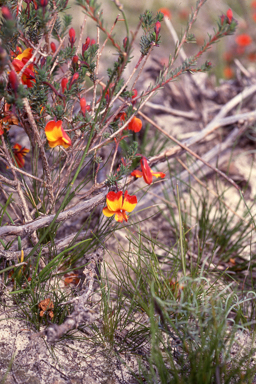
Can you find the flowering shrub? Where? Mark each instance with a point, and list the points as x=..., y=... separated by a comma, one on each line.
x=75, y=120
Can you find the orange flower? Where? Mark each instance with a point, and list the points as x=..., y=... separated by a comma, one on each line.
x=118, y=206
x=147, y=172
x=253, y=4
x=56, y=135
x=19, y=153
x=135, y=124
x=165, y=12
x=28, y=76
x=243, y=40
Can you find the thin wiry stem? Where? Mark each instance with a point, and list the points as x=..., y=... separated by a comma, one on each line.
x=96, y=72
x=81, y=34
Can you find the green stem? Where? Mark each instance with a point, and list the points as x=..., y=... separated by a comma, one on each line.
x=183, y=261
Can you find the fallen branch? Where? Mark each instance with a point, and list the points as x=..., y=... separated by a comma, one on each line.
x=30, y=227
x=58, y=247
x=210, y=128
x=198, y=165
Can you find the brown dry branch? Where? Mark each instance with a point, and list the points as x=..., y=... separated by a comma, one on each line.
x=11, y=166
x=191, y=115
x=42, y=152
x=11, y=204
x=58, y=247
x=81, y=35
x=191, y=83
x=184, y=147
x=110, y=33
x=6, y=181
x=28, y=228
x=209, y=157
x=238, y=99
x=55, y=55
x=24, y=206
x=245, y=72
x=210, y=128
x=184, y=37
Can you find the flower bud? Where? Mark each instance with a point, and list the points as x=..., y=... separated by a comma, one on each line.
x=73, y=79
x=75, y=62
x=125, y=42
x=64, y=82
x=86, y=45
x=72, y=36
x=229, y=15
x=53, y=47
x=43, y=3
x=43, y=61
x=157, y=29
x=134, y=93
x=13, y=80
x=6, y=13
x=222, y=19
x=93, y=42
x=83, y=105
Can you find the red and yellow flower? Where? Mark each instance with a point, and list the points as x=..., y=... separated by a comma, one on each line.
x=28, y=76
x=118, y=205
x=56, y=135
x=9, y=119
x=147, y=173
x=19, y=153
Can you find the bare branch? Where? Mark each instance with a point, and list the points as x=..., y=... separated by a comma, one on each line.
x=30, y=227
x=58, y=247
